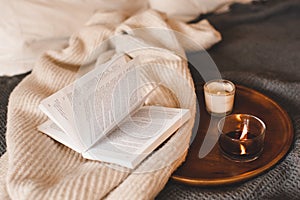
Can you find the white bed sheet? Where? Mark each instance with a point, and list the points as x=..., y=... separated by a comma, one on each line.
x=28, y=28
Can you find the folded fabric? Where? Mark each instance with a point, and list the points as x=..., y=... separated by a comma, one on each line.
x=37, y=167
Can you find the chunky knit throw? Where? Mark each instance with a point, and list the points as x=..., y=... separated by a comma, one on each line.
x=37, y=167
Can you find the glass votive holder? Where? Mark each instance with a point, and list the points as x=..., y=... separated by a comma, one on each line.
x=241, y=137
x=219, y=97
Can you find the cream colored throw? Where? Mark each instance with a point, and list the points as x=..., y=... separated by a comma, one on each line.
x=37, y=167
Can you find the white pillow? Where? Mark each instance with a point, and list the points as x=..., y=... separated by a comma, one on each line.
x=186, y=10
x=30, y=27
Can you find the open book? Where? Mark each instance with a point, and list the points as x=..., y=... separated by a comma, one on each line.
x=102, y=115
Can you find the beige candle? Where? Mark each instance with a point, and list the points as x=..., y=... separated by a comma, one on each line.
x=219, y=97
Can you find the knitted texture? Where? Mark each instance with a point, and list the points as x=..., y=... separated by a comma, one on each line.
x=37, y=167
x=7, y=84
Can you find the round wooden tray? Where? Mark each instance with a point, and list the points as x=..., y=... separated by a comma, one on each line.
x=214, y=169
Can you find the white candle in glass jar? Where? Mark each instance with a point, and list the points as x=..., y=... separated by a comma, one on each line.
x=219, y=96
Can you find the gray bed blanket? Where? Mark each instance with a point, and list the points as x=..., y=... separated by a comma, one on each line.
x=260, y=49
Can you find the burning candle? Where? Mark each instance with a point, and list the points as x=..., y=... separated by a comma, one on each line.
x=241, y=137
x=219, y=97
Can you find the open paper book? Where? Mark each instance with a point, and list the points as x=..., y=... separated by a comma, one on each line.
x=101, y=115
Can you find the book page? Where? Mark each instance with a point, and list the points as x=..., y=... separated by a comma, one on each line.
x=94, y=104
x=102, y=101
x=60, y=106
x=138, y=135
x=51, y=129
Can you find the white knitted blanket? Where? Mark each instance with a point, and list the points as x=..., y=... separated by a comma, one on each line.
x=37, y=167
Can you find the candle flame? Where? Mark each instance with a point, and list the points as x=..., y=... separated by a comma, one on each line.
x=244, y=132
x=243, y=149
x=243, y=137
